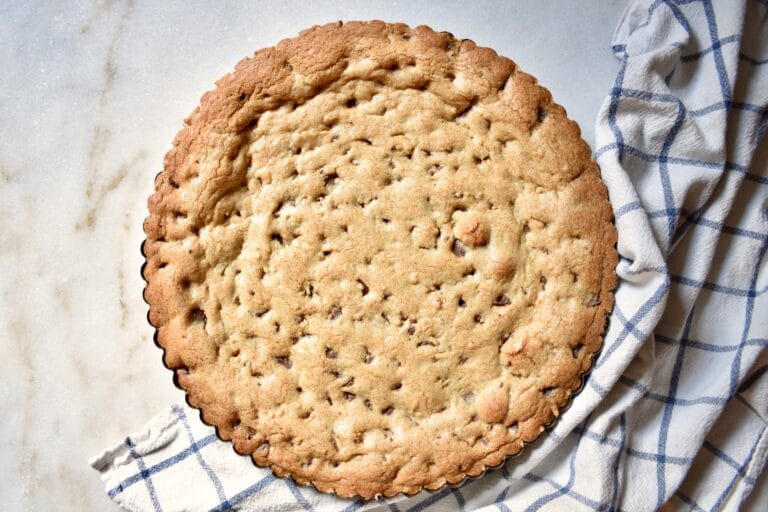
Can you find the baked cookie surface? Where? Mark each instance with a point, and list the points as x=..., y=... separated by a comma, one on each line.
x=379, y=259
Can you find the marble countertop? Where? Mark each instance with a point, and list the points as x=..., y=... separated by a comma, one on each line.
x=91, y=95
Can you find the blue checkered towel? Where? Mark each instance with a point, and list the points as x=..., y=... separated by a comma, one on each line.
x=675, y=410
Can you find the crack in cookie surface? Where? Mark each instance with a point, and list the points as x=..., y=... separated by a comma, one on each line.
x=382, y=268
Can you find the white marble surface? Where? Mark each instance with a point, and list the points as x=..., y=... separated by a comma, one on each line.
x=91, y=95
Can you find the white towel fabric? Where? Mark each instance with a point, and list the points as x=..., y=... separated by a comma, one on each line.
x=675, y=409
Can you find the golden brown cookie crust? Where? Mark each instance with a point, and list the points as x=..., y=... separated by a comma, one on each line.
x=379, y=259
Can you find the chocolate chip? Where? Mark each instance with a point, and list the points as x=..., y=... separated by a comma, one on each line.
x=458, y=248
x=197, y=315
x=330, y=178
x=541, y=114
x=502, y=300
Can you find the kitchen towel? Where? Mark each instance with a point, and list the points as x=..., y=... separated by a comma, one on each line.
x=674, y=412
